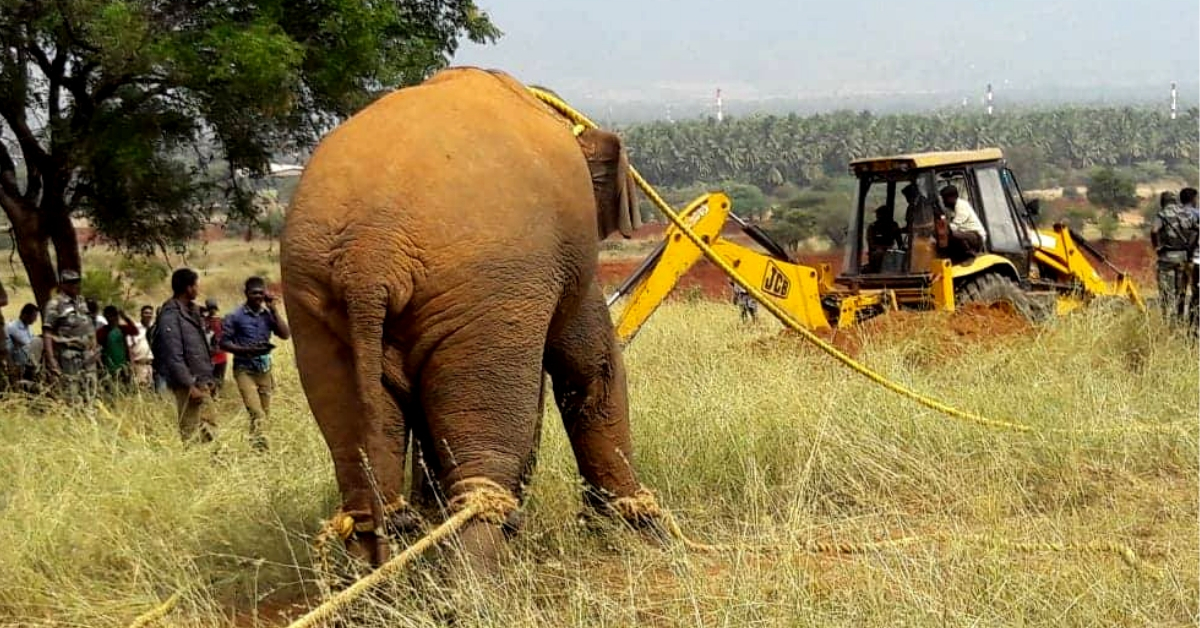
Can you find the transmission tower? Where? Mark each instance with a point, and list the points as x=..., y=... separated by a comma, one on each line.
x=1174, y=101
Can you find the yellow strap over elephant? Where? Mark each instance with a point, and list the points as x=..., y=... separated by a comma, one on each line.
x=580, y=120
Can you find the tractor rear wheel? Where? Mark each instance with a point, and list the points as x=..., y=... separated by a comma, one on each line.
x=992, y=288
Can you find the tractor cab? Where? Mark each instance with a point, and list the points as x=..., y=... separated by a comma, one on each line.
x=893, y=241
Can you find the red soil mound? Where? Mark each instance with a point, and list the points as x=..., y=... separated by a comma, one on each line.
x=939, y=334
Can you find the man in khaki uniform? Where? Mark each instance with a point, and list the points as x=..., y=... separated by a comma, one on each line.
x=70, y=347
x=246, y=333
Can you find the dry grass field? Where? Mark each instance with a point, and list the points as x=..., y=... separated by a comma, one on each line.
x=749, y=436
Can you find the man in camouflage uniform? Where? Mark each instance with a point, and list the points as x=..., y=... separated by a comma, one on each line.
x=1172, y=232
x=1187, y=197
x=70, y=342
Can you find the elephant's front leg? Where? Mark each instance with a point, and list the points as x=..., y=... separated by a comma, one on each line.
x=588, y=373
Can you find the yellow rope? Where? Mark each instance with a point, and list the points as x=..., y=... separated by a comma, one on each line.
x=579, y=119
x=643, y=504
x=158, y=612
x=487, y=500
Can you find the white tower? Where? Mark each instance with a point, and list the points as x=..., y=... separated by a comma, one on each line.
x=720, y=112
x=989, y=99
x=1174, y=101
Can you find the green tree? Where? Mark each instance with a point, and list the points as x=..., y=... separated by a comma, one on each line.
x=144, y=115
x=747, y=199
x=1111, y=190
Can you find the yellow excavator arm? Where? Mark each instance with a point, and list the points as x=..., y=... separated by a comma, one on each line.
x=793, y=287
x=1063, y=252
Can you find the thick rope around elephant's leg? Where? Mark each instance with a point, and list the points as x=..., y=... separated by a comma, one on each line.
x=643, y=505
x=486, y=500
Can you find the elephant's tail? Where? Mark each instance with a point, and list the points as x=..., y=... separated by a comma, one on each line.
x=367, y=308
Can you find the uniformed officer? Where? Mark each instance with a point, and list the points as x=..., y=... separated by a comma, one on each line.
x=69, y=335
x=1171, y=233
x=1190, y=204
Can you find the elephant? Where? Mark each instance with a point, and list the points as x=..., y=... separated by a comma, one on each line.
x=438, y=262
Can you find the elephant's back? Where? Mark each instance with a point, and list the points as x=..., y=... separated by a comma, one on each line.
x=455, y=149
x=444, y=178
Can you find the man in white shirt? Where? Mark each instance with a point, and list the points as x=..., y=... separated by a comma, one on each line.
x=967, y=234
x=139, y=349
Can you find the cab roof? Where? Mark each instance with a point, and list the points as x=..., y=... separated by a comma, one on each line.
x=912, y=161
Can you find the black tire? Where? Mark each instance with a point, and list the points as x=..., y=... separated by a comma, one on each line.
x=990, y=288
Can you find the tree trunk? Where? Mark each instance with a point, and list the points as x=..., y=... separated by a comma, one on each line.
x=5, y=370
x=33, y=247
x=66, y=241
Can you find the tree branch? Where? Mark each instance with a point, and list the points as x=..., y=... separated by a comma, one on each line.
x=30, y=149
x=8, y=174
x=65, y=12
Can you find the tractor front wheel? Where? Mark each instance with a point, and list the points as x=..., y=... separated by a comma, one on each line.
x=992, y=288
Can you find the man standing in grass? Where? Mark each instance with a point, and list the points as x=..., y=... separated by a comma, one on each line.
x=246, y=333
x=1171, y=234
x=1187, y=198
x=113, y=339
x=70, y=341
x=139, y=349
x=220, y=359
x=182, y=357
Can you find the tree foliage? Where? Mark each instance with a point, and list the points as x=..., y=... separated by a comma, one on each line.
x=143, y=115
x=1111, y=190
x=770, y=150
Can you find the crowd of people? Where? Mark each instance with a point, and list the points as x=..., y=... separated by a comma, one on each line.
x=181, y=349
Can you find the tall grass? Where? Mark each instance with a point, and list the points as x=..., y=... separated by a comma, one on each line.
x=746, y=437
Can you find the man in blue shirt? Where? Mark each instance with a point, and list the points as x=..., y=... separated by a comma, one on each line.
x=19, y=340
x=246, y=334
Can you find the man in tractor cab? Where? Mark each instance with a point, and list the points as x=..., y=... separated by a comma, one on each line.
x=966, y=233
x=918, y=232
x=882, y=234
x=915, y=206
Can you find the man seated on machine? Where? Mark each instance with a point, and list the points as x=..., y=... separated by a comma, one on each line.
x=882, y=235
x=966, y=233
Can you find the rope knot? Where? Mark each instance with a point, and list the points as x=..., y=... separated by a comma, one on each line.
x=640, y=506
x=489, y=501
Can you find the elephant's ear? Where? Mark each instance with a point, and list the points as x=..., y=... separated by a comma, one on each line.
x=613, y=185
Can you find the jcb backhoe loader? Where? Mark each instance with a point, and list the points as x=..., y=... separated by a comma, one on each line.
x=1039, y=272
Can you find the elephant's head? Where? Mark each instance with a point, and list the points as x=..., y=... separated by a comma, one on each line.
x=612, y=182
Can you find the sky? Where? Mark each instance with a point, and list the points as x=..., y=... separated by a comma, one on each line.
x=753, y=49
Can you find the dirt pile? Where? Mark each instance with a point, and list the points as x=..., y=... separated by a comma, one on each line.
x=936, y=334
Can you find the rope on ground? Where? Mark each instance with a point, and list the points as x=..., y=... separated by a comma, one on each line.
x=643, y=504
x=578, y=118
x=158, y=612
x=485, y=499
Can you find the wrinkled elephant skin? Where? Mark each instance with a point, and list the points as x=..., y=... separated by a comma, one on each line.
x=438, y=257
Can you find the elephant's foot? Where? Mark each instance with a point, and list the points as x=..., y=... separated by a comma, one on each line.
x=494, y=516
x=640, y=511
x=403, y=520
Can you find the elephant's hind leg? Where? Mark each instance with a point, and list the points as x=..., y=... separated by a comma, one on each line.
x=327, y=375
x=588, y=374
x=480, y=396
